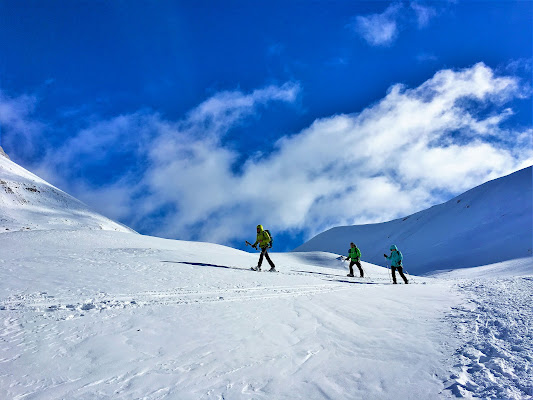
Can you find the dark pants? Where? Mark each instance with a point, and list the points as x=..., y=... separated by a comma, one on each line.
x=400, y=270
x=356, y=262
x=264, y=252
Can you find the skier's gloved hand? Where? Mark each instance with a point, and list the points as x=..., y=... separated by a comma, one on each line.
x=255, y=247
x=384, y=255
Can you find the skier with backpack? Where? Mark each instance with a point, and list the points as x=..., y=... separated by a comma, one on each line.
x=354, y=255
x=264, y=239
x=396, y=258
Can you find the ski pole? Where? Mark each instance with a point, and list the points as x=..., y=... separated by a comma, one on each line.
x=366, y=273
x=388, y=269
x=410, y=276
x=249, y=244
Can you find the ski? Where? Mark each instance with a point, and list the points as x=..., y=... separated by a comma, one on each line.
x=260, y=270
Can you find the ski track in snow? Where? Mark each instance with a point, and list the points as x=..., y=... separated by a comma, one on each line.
x=43, y=302
x=496, y=327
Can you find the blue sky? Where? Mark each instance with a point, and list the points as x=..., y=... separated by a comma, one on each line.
x=198, y=120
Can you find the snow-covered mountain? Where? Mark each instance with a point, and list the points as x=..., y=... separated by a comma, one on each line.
x=27, y=202
x=487, y=224
x=91, y=312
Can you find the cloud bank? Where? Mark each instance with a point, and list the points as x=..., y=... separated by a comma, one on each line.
x=414, y=148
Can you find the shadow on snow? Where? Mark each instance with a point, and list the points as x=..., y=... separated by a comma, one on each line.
x=322, y=275
x=205, y=265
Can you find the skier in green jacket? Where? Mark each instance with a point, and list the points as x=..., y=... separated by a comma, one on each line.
x=265, y=242
x=354, y=255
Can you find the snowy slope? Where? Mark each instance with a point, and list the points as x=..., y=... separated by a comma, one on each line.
x=107, y=315
x=504, y=269
x=490, y=223
x=120, y=316
x=29, y=203
x=87, y=312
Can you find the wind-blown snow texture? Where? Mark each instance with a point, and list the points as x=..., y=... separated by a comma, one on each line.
x=95, y=314
x=490, y=223
x=496, y=361
x=100, y=314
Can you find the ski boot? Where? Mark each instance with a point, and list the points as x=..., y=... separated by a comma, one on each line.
x=350, y=275
x=258, y=268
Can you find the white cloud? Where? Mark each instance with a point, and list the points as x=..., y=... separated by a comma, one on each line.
x=388, y=161
x=17, y=127
x=217, y=114
x=379, y=29
x=423, y=13
x=383, y=29
x=519, y=65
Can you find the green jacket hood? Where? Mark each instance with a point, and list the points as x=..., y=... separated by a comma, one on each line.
x=393, y=247
x=260, y=227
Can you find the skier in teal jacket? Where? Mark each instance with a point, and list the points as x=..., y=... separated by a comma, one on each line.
x=354, y=255
x=396, y=258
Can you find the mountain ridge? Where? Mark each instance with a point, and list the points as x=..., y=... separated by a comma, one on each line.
x=486, y=224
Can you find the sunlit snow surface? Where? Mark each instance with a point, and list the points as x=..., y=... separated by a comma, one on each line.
x=91, y=310
x=96, y=314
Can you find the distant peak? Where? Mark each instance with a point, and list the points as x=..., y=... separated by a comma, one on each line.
x=3, y=153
